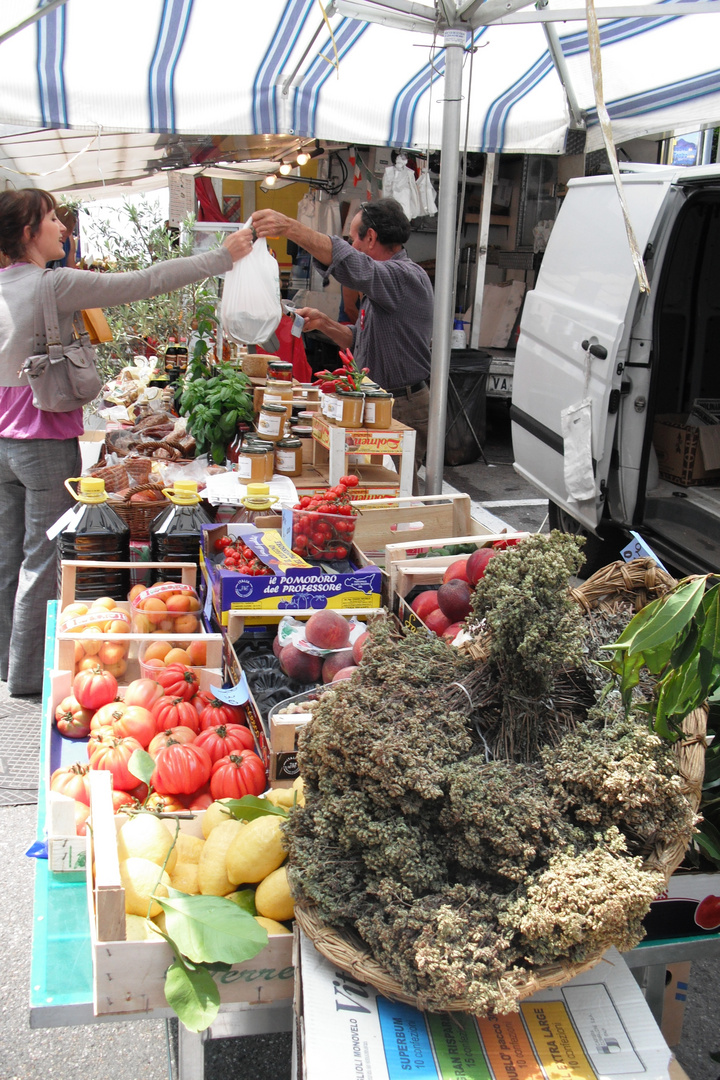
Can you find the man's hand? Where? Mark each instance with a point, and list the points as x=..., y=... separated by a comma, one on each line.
x=239, y=243
x=271, y=223
x=314, y=319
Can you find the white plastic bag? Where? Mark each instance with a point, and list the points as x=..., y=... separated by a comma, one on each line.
x=251, y=309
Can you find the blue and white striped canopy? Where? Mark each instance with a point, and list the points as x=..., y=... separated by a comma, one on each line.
x=282, y=68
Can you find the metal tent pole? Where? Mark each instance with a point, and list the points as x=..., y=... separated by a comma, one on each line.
x=454, y=43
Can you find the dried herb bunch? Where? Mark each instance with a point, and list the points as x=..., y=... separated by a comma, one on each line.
x=461, y=873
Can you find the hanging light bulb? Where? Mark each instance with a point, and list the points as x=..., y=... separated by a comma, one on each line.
x=303, y=158
x=285, y=168
x=270, y=179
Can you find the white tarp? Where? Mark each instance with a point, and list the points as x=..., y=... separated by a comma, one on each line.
x=117, y=71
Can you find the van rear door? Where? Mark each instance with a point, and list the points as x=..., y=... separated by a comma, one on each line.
x=586, y=292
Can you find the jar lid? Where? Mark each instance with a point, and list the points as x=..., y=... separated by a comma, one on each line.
x=349, y=393
x=264, y=445
x=273, y=408
x=305, y=415
x=378, y=393
x=280, y=365
x=253, y=449
x=289, y=441
x=301, y=431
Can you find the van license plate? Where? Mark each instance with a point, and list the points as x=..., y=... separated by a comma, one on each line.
x=500, y=385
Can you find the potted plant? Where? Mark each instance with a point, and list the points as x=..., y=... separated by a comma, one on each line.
x=214, y=405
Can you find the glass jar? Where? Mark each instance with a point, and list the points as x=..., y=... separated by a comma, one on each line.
x=327, y=407
x=280, y=370
x=268, y=449
x=350, y=414
x=271, y=422
x=289, y=456
x=277, y=391
x=251, y=465
x=304, y=434
x=378, y=409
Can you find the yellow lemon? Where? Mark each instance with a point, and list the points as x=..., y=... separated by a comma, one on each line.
x=185, y=877
x=189, y=848
x=273, y=898
x=215, y=813
x=137, y=928
x=212, y=877
x=284, y=797
x=142, y=878
x=145, y=836
x=272, y=925
x=256, y=851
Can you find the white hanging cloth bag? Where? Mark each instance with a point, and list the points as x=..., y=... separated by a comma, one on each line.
x=426, y=194
x=399, y=183
x=251, y=308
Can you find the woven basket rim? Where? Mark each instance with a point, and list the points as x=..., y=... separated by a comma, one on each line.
x=638, y=578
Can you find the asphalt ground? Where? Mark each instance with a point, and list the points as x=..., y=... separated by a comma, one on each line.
x=146, y=1049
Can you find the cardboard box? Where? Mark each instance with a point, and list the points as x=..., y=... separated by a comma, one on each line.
x=595, y=1025
x=129, y=976
x=414, y=521
x=302, y=589
x=674, y=913
x=687, y=455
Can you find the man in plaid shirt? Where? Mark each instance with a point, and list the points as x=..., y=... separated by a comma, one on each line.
x=394, y=326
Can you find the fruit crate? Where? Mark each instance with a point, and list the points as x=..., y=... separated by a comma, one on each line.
x=129, y=976
x=66, y=850
x=412, y=521
x=406, y=574
x=333, y=445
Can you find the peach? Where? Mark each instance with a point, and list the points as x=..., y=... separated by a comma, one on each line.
x=106, y=602
x=79, y=651
x=117, y=669
x=177, y=656
x=423, y=604
x=437, y=622
x=91, y=640
x=305, y=667
x=73, y=611
x=458, y=569
x=477, y=563
x=359, y=647
x=154, y=608
x=334, y=662
x=454, y=599
x=118, y=626
x=327, y=630
x=344, y=673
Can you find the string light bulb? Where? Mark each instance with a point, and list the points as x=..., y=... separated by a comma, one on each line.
x=270, y=179
x=285, y=168
x=303, y=158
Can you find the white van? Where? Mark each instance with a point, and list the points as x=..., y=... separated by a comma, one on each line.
x=641, y=360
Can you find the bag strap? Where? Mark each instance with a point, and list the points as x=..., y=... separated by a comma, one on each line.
x=48, y=306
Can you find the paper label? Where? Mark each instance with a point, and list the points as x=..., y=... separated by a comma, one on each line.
x=369, y=412
x=270, y=425
x=244, y=468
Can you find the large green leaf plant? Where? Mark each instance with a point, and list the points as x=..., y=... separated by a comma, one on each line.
x=677, y=639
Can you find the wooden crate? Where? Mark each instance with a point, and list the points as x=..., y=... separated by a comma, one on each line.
x=129, y=976
x=412, y=521
x=333, y=445
x=66, y=850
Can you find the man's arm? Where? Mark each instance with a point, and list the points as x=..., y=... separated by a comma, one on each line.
x=340, y=333
x=271, y=223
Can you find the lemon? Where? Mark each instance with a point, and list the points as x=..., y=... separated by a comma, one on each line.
x=137, y=928
x=145, y=836
x=185, y=877
x=272, y=925
x=141, y=878
x=212, y=877
x=284, y=797
x=189, y=848
x=215, y=813
x=160, y=920
x=256, y=851
x=273, y=898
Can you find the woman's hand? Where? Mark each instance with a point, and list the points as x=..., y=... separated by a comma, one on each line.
x=271, y=223
x=239, y=243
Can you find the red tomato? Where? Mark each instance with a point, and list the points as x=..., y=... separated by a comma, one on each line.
x=121, y=801
x=144, y=692
x=81, y=815
x=181, y=770
x=106, y=715
x=99, y=736
x=139, y=793
x=201, y=699
x=178, y=680
x=224, y=739
x=71, y=719
x=113, y=755
x=217, y=712
x=201, y=802
x=73, y=782
x=238, y=774
x=165, y=804
x=137, y=722
x=170, y=736
x=170, y=712
x=94, y=687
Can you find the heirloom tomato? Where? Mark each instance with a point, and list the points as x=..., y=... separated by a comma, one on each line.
x=181, y=769
x=71, y=719
x=223, y=739
x=238, y=774
x=143, y=692
x=137, y=722
x=113, y=755
x=178, y=680
x=73, y=782
x=218, y=712
x=183, y=735
x=94, y=687
x=170, y=712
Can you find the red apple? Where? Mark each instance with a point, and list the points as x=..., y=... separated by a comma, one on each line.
x=423, y=604
x=359, y=647
x=437, y=622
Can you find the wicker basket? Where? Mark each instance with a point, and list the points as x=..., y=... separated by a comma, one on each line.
x=138, y=515
x=639, y=581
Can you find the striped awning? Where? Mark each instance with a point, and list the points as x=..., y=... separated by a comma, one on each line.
x=286, y=69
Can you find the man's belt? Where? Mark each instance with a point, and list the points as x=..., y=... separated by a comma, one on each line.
x=407, y=390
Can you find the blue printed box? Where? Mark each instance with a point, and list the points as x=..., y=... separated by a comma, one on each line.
x=295, y=587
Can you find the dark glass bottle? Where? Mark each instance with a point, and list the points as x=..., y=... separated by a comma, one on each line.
x=95, y=533
x=175, y=534
x=231, y=454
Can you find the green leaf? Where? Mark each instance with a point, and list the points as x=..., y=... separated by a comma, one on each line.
x=141, y=765
x=710, y=640
x=250, y=807
x=208, y=928
x=193, y=994
x=708, y=839
x=685, y=646
x=245, y=900
x=679, y=693
x=663, y=619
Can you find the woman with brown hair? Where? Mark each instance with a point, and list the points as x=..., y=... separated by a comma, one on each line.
x=39, y=450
